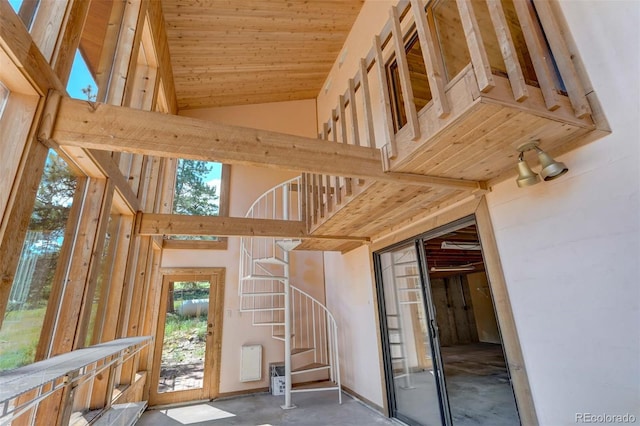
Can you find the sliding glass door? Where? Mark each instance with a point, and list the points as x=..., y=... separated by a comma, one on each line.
x=411, y=365
x=443, y=354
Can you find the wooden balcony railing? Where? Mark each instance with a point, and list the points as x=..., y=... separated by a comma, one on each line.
x=425, y=91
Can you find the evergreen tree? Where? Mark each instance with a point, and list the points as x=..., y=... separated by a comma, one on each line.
x=54, y=197
x=192, y=195
x=49, y=217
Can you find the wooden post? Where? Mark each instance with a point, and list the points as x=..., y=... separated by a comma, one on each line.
x=303, y=195
x=354, y=112
x=48, y=27
x=322, y=193
x=126, y=50
x=325, y=136
x=479, y=59
x=70, y=39
x=342, y=117
x=366, y=105
x=405, y=76
x=539, y=52
x=504, y=314
x=562, y=55
x=433, y=64
x=334, y=135
x=514, y=71
x=314, y=198
x=389, y=133
x=107, y=55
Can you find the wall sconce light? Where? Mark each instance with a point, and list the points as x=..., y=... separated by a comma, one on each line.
x=551, y=168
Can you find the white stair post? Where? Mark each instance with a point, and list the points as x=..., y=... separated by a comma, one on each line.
x=287, y=309
x=265, y=290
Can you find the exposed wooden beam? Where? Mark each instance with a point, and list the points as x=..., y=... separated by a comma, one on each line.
x=174, y=224
x=112, y=128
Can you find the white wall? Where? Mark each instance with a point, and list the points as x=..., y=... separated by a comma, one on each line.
x=350, y=298
x=247, y=184
x=570, y=247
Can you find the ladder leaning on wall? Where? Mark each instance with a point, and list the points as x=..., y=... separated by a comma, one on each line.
x=303, y=323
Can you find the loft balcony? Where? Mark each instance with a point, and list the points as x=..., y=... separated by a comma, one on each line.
x=449, y=90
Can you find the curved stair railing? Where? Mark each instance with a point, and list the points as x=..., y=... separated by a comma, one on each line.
x=303, y=323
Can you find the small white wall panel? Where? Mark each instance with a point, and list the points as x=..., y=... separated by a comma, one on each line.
x=251, y=363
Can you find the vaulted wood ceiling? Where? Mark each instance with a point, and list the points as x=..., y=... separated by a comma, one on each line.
x=232, y=52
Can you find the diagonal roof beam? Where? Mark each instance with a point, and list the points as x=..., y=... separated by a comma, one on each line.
x=106, y=127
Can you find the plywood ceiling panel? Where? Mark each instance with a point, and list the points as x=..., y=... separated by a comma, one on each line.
x=233, y=52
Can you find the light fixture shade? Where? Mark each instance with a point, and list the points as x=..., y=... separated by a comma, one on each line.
x=526, y=176
x=551, y=168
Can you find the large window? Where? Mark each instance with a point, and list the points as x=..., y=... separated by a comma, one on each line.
x=81, y=84
x=34, y=278
x=103, y=280
x=197, y=188
x=197, y=192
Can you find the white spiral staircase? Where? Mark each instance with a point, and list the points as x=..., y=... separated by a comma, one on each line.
x=305, y=325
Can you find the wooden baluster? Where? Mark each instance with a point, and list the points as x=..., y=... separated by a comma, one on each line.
x=562, y=55
x=314, y=198
x=321, y=193
x=343, y=131
x=354, y=112
x=405, y=76
x=479, y=58
x=433, y=64
x=304, y=200
x=514, y=71
x=366, y=104
x=334, y=135
x=325, y=136
x=389, y=133
x=342, y=117
x=539, y=52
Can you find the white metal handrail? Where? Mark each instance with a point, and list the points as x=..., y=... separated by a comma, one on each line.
x=315, y=327
x=295, y=317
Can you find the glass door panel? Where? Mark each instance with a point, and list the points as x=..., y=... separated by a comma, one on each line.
x=411, y=372
x=185, y=336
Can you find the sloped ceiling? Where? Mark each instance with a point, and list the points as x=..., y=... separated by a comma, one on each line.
x=234, y=52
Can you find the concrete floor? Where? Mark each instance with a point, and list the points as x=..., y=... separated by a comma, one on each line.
x=314, y=409
x=478, y=385
x=478, y=389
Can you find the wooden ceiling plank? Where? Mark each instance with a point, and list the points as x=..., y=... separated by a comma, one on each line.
x=267, y=35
